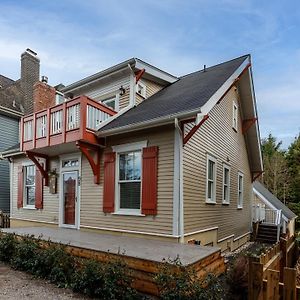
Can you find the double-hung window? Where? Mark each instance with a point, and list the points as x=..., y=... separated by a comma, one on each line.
x=240, y=190
x=235, y=116
x=29, y=185
x=130, y=180
x=226, y=184
x=211, y=179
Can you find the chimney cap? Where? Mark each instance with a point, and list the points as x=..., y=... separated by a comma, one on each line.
x=44, y=79
x=31, y=52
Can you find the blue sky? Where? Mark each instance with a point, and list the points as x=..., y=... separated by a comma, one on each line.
x=78, y=38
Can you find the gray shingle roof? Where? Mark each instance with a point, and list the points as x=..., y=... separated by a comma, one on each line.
x=273, y=200
x=11, y=96
x=188, y=93
x=5, y=81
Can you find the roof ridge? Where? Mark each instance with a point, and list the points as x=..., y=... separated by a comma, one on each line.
x=6, y=77
x=217, y=65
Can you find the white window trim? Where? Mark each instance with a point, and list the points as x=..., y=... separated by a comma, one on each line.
x=144, y=94
x=240, y=205
x=207, y=200
x=25, y=205
x=235, y=113
x=115, y=97
x=119, y=149
x=225, y=166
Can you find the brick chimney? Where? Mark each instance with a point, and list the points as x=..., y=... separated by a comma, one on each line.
x=30, y=74
x=43, y=95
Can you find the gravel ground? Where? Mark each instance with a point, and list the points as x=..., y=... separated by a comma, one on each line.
x=18, y=285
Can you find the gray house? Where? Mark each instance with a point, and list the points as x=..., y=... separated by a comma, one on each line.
x=15, y=100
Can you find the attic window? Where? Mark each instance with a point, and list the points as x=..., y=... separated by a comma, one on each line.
x=59, y=98
x=234, y=116
x=141, y=89
x=110, y=102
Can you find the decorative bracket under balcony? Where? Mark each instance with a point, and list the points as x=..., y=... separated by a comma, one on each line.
x=93, y=155
x=198, y=123
x=43, y=167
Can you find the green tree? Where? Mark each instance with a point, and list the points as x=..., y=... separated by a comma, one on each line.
x=293, y=161
x=276, y=174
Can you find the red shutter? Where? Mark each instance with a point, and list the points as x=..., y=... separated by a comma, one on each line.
x=20, y=186
x=149, y=180
x=39, y=187
x=109, y=182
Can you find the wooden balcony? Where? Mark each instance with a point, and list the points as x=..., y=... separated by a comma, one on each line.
x=71, y=121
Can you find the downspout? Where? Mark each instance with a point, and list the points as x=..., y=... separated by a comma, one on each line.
x=179, y=145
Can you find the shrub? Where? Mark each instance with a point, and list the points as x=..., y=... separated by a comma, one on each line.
x=8, y=244
x=177, y=282
x=25, y=254
x=104, y=281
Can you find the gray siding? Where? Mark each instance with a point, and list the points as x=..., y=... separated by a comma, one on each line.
x=9, y=136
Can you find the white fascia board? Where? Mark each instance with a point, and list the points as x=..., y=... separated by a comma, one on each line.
x=155, y=71
x=264, y=199
x=255, y=115
x=11, y=112
x=207, y=107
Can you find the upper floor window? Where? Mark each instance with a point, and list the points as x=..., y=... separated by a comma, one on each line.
x=59, y=98
x=211, y=179
x=110, y=102
x=29, y=185
x=226, y=184
x=235, y=116
x=240, y=190
x=141, y=89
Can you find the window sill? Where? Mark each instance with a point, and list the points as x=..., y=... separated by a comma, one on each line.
x=124, y=213
x=240, y=207
x=210, y=202
x=225, y=203
x=29, y=207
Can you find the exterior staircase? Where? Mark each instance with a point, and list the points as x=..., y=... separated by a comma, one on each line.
x=267, y=233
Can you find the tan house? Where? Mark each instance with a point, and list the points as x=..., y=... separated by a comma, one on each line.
x=142, y=153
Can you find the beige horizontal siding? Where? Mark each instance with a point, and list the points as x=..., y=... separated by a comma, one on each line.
x=151, y=89
x=92, y=195
x=217, y=138
x=49, y=213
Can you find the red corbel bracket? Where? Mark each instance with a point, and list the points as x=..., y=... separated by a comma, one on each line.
x=193, y=130
x=139, y=75
x=93, y=155
x=43, y=168
x=256, y=174
x=247, y=123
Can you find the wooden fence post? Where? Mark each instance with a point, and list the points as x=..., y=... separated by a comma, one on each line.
x=255, y=280
x=289, y=281
x=283, y=261
x=272, y=292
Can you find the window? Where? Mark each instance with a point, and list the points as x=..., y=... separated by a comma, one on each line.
x=29, y=185
x=211, y=180
x=235, y=116
x=141, y=89
x=130, y=180
x=110, y=102
x=226, y=184
x=240, y=189
x=59, y=98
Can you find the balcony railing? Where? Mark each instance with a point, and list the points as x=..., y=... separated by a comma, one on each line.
x=266, y=215
x=76, y=119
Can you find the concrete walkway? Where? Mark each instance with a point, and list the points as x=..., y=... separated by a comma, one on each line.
x=141, y=248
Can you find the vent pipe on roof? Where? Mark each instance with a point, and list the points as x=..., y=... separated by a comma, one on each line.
x=204, y=68
x=45, y=79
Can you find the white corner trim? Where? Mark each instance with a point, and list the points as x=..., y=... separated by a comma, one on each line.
x=130, y=146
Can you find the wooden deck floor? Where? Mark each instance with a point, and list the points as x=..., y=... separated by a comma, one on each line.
x=143, y=256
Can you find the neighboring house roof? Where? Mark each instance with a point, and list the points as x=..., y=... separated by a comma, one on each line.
x=5, y=81
x=11, y=96
x=189, y=93
x=261, y=190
